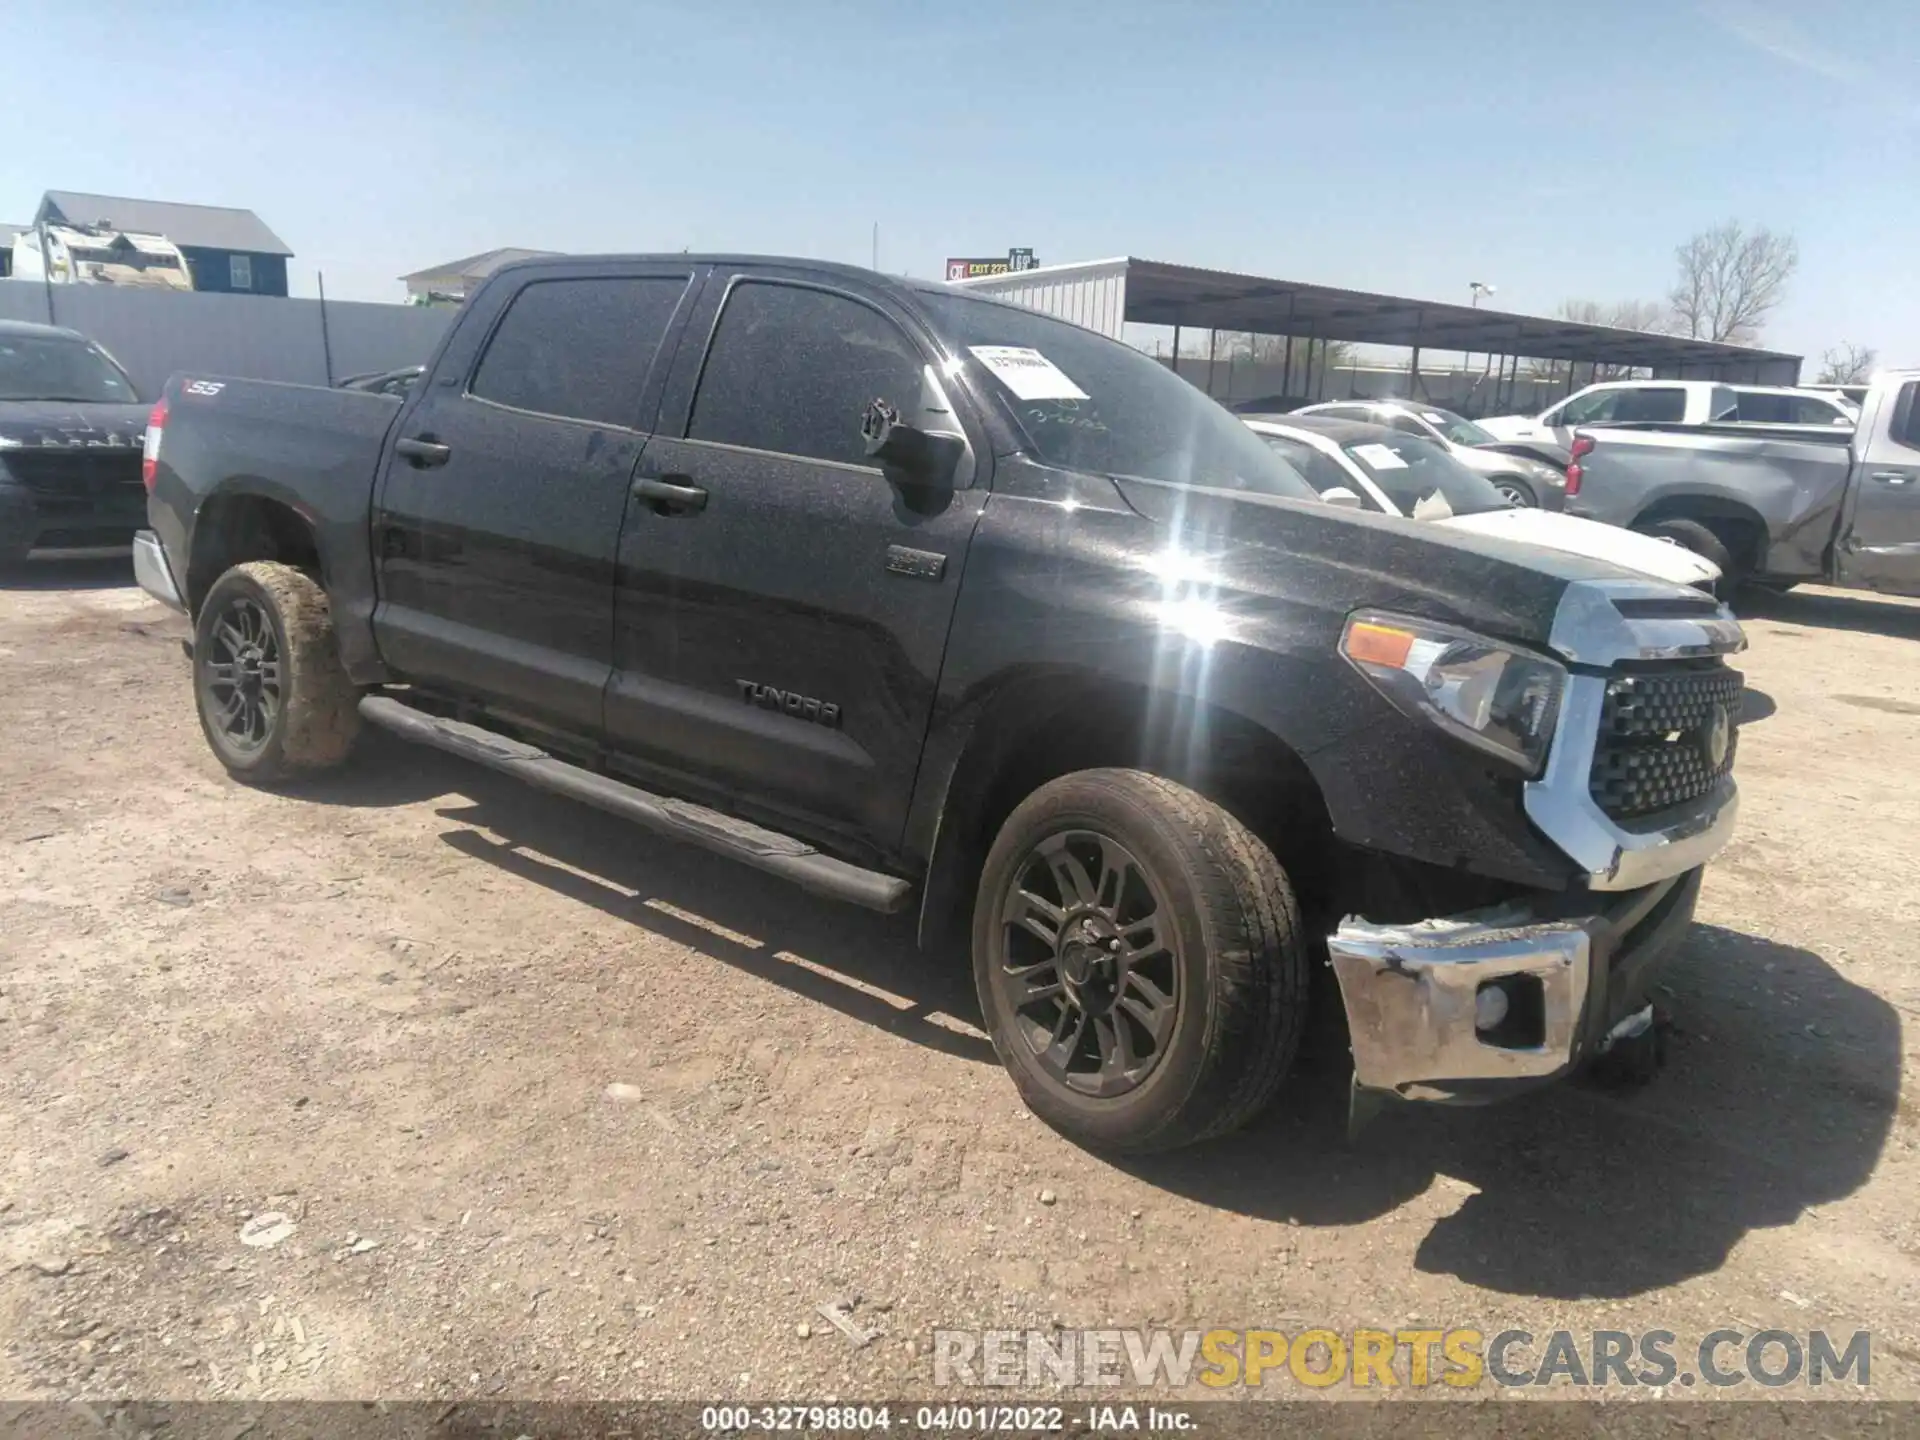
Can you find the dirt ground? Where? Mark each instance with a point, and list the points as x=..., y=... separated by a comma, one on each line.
x=554, y=1109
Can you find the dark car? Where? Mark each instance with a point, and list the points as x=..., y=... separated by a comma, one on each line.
x=384, y=382
x=71, y=424
x=918, y=599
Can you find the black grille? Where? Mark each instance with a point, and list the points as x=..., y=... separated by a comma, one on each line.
x=78, y=474
x=1659, y=732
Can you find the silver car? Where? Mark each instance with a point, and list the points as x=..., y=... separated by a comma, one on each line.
x=1525, y=479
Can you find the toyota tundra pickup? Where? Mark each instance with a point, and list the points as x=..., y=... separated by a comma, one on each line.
x=918, y=599
x=1838, y=507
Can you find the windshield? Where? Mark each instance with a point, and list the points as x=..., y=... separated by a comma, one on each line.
x=51, y=367
x=1410, y=470
x=1457, y=428
x=1321, y=470
x=1090, y=403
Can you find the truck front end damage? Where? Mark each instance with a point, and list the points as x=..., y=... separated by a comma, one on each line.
x=1638, y=791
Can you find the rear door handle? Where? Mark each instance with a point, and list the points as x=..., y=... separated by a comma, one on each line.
x=1892, y=477
x=423, y=452
x=671, y=494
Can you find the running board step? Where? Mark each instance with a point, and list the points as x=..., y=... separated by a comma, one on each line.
x=727, y=835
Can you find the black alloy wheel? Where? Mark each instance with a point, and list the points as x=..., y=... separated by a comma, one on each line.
x=1087, y=963
x=241, y=677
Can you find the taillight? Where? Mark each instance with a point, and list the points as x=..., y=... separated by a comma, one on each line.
x=1582, y=445
x=150, y=449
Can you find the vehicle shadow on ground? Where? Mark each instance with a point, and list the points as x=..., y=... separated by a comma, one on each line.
x=92, y=573
x=1782, y=1086
x=1868, y=614
x=866, y=966
x=1781, y=1089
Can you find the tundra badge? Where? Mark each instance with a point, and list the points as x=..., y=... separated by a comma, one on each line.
x=801, y=707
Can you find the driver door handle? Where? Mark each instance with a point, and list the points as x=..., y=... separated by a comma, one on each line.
x=422, y=452
x=671, y=494
x=1891, y=477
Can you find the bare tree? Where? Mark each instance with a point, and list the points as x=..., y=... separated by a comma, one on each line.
x=1847, y=364
x=1731, y=278
x=1272, y=350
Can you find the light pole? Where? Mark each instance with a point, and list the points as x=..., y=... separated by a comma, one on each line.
x=1477, y=288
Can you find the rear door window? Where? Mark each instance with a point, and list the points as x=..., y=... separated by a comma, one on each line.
x=793, y=369
x=579, y=349
x=1594, y=409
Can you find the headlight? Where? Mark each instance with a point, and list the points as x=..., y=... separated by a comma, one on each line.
x=1490, y=695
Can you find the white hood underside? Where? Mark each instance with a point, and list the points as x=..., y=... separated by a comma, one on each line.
x=1659, y=558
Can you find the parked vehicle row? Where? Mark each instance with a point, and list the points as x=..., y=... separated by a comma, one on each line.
x=1841, y=508
x=919, y=599
x=1393, y=473
x=1526, y=472
x=1675, y=402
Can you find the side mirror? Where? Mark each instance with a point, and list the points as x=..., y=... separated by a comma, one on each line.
x=1342, y=497
x=909, y=455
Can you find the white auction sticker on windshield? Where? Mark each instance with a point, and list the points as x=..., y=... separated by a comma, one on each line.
x=1436, y=419
x=1379, y=457
x=1028, y=373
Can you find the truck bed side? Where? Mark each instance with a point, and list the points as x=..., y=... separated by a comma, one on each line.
x=241, y=453
x=1794, y=487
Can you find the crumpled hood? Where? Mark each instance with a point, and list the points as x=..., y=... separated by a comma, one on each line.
x=59, y=424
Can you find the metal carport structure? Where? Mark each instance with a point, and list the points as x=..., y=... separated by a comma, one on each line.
x=1106, y=295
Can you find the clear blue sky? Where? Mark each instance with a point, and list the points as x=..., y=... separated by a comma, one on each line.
x=1556, y=150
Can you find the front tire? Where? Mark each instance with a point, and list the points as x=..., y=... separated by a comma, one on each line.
x=1518, y=492
x=273, y=698
x=1140, y=961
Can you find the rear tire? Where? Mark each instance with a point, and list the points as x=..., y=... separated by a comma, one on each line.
x=1146, y=889
x=274, y=700
x=1692, y=535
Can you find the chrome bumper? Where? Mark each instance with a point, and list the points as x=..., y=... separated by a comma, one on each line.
x=150, y=568
x=1410, y=991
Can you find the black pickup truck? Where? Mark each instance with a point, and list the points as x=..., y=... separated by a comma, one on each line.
x=919, y=599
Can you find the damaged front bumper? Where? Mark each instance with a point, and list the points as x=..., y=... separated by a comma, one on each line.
x=1481, y=1005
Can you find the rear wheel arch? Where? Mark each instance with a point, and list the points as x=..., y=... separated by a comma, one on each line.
x=236, y=526
x=1738, y=527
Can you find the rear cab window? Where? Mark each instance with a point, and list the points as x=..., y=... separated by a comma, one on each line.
x=578, y=349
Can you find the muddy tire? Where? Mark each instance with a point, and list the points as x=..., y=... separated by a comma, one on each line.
x=274, y=701
x=1140, y=962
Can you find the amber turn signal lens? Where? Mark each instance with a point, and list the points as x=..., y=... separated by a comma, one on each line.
x=1372, y=644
